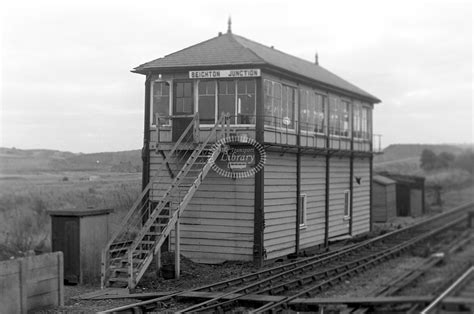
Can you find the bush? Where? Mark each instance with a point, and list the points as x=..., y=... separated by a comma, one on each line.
x=465, y=161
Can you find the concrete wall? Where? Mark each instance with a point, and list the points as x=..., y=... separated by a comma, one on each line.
x=31, y=283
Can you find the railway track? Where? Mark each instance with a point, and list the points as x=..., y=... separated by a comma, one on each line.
x=305, y=277
x=459, y=297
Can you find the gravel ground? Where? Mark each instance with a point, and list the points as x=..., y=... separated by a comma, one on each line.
x=375, y=278
x=438, y=278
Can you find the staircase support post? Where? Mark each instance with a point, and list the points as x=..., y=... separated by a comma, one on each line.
x=158, y=261
x=177, y=248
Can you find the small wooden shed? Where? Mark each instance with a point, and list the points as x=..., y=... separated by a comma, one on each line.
x=384, y=198
x=410, y=194
x=80, y=235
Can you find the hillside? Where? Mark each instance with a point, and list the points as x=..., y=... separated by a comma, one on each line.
x=398, y=152
x=14, y=160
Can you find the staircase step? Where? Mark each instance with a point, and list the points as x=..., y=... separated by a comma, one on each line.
x=147, y=242
x=118, y=279
x=122, y=249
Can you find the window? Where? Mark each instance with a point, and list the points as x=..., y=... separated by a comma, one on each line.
x=361, y=122
x=287, y=107
x=235, y=98
x=302, y=210
x=160, y=101
x=279, y=105
x=347, y=204
x=184, y=98
x=207, y=102
x=226, y=100
x=246, y=102
x=338, y=117
x=312, y=111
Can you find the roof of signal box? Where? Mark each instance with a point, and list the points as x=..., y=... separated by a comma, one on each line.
x=232, y=50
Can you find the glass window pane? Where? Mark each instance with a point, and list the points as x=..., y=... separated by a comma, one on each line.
x=188, y=89
x=207, y=109
x=247, y=109
x=202, y=88
x=226, y=100
x=179, y=90
x=250, y=86
x=160, y=100
x=241, y=87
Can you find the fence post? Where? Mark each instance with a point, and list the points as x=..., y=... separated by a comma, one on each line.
x=60, y=278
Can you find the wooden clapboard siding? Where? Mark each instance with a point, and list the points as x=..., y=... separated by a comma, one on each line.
x=217, y=225
x=280, y=204
x=313, y=181
x=339, y=176
x=379, y=202
x=361, y=197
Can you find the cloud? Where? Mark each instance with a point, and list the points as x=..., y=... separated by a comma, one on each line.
x=66, y=65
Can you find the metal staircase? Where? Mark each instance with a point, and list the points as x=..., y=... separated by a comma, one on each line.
x=156, y=211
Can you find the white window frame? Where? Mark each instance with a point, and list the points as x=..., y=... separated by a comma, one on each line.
x=216, y=104
x=324, y=98
x=347, y=193
x=170, y=99
x=303, y=207
x=368, y=109
x=295, y=107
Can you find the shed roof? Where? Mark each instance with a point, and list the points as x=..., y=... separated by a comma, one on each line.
x=383, y=180
x=233, y=50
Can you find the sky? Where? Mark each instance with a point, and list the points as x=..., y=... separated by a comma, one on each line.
x=65, y=66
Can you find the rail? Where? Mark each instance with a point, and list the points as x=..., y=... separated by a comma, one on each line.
x=259, y=280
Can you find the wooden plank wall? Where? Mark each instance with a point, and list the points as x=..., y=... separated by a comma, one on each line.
x=31, y=283
x=361, y=197
x=313, y=184
x=280, y=204
x=391, y=198
x=339, y=173
x=379, y=202
x=158, y=189
x=218, y=224
x=94, y=236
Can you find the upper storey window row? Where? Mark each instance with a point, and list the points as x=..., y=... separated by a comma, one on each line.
x=236, y=98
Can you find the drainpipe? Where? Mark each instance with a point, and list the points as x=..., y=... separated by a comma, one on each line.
x=146, y=135
x=326, y=205
x=259, y=220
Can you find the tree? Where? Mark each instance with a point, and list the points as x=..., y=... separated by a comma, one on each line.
x=445, y=159
x=465, y=161
x=428, y=160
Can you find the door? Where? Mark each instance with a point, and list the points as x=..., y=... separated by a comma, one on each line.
x=183, y=104
x=65, y=238
x=403, y=200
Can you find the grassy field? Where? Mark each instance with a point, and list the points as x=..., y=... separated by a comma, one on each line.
x=26, y=198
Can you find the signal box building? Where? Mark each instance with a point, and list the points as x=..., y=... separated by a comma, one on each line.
x=315, y=185
x=315, y=127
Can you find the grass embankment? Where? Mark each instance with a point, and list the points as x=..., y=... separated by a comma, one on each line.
x=25, y=200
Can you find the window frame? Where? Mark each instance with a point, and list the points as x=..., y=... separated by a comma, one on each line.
x=347, y=205
x=152, y=100
x=340, y=118
x=216, y=102
x=359, y=133
x=295, y=106
x=303, y=210
x=324, y=111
